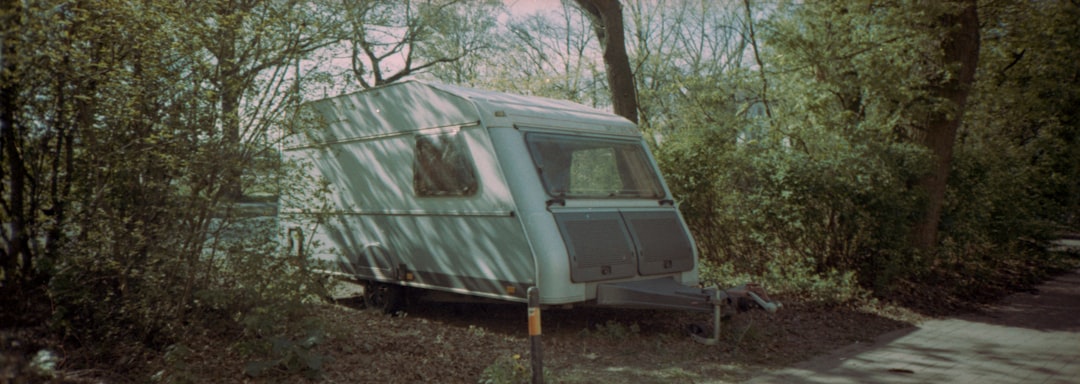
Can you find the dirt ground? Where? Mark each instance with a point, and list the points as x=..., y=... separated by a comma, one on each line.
x=469, y=343
x=488, y=343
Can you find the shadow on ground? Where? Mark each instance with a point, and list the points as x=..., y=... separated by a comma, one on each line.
x=588, y=344
x=1027, y=337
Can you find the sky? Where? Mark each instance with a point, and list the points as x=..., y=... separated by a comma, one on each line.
x=525, y=7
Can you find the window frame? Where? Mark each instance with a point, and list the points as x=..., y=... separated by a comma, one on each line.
x=455, y=176
x=627, y=152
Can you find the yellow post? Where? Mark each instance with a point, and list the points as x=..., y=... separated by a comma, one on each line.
x=537, y=350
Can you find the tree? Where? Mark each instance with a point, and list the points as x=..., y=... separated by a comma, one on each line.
x=389, y=40
x=1016, y=155
x=960, y=44
x=688, y=62
x=113, y=152
x=245, y=39
x=545, y=54
x=15, y=255
x=607, y=21
x=905, y=69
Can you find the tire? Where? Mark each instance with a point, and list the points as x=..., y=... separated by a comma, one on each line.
x=387, y=298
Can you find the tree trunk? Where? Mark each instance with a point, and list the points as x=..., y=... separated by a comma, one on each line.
x=961, y=52
x=607, y=21
x=231, y=93
x=230, y=125
x=16, y=250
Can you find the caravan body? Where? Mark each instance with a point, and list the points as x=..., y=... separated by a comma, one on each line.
x=487, y=194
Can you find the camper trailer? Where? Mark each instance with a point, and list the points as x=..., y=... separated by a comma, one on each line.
x=488, y=194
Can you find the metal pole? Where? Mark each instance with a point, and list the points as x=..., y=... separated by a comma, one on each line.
x=537, y=350
x=719, y=297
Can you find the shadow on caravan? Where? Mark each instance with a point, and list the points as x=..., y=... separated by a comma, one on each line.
x=485, y=194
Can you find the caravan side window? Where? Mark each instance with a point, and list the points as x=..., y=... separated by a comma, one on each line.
x=443, y=166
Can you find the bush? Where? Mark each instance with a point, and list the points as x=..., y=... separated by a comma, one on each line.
x=827, y=216
x=507, y=370
x=792, y=215
x=248, y=291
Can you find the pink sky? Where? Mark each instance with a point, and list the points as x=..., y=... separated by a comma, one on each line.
x=525, y=7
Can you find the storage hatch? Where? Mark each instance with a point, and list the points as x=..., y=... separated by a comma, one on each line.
x=662, y=243
x=608, y=245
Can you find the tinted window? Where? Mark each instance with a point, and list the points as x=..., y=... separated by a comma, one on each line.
x=572, y=166
x=443, y=166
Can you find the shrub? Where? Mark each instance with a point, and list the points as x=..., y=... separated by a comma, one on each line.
x=792, y=215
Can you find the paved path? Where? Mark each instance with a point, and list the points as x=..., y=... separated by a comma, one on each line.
x=1028, y=338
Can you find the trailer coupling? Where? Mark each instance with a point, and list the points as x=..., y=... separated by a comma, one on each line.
x=666, y=293
x=736, y=299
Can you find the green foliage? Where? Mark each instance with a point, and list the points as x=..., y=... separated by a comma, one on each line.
x=790, y=279
x=118, y=166
x=177, y=368
x=1021, y=141
x=613, y=330
x=764, y=208
x=284, y=355
x=507, y=370
x=1014, y=180
x=130, y=127
x=817, y=197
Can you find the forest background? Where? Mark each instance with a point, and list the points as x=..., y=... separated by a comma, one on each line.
x=915, y=151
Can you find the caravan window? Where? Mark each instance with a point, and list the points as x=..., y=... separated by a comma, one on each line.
x=443, y=166
x=574, y=166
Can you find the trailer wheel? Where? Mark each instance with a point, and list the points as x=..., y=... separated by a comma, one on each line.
x=388, y=298
x=698, y=329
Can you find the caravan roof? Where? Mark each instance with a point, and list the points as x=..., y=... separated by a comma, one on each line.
x=423, y=105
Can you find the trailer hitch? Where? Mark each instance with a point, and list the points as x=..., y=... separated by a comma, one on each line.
x=736, y=299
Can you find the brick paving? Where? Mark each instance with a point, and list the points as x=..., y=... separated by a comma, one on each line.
x=1030, y=337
